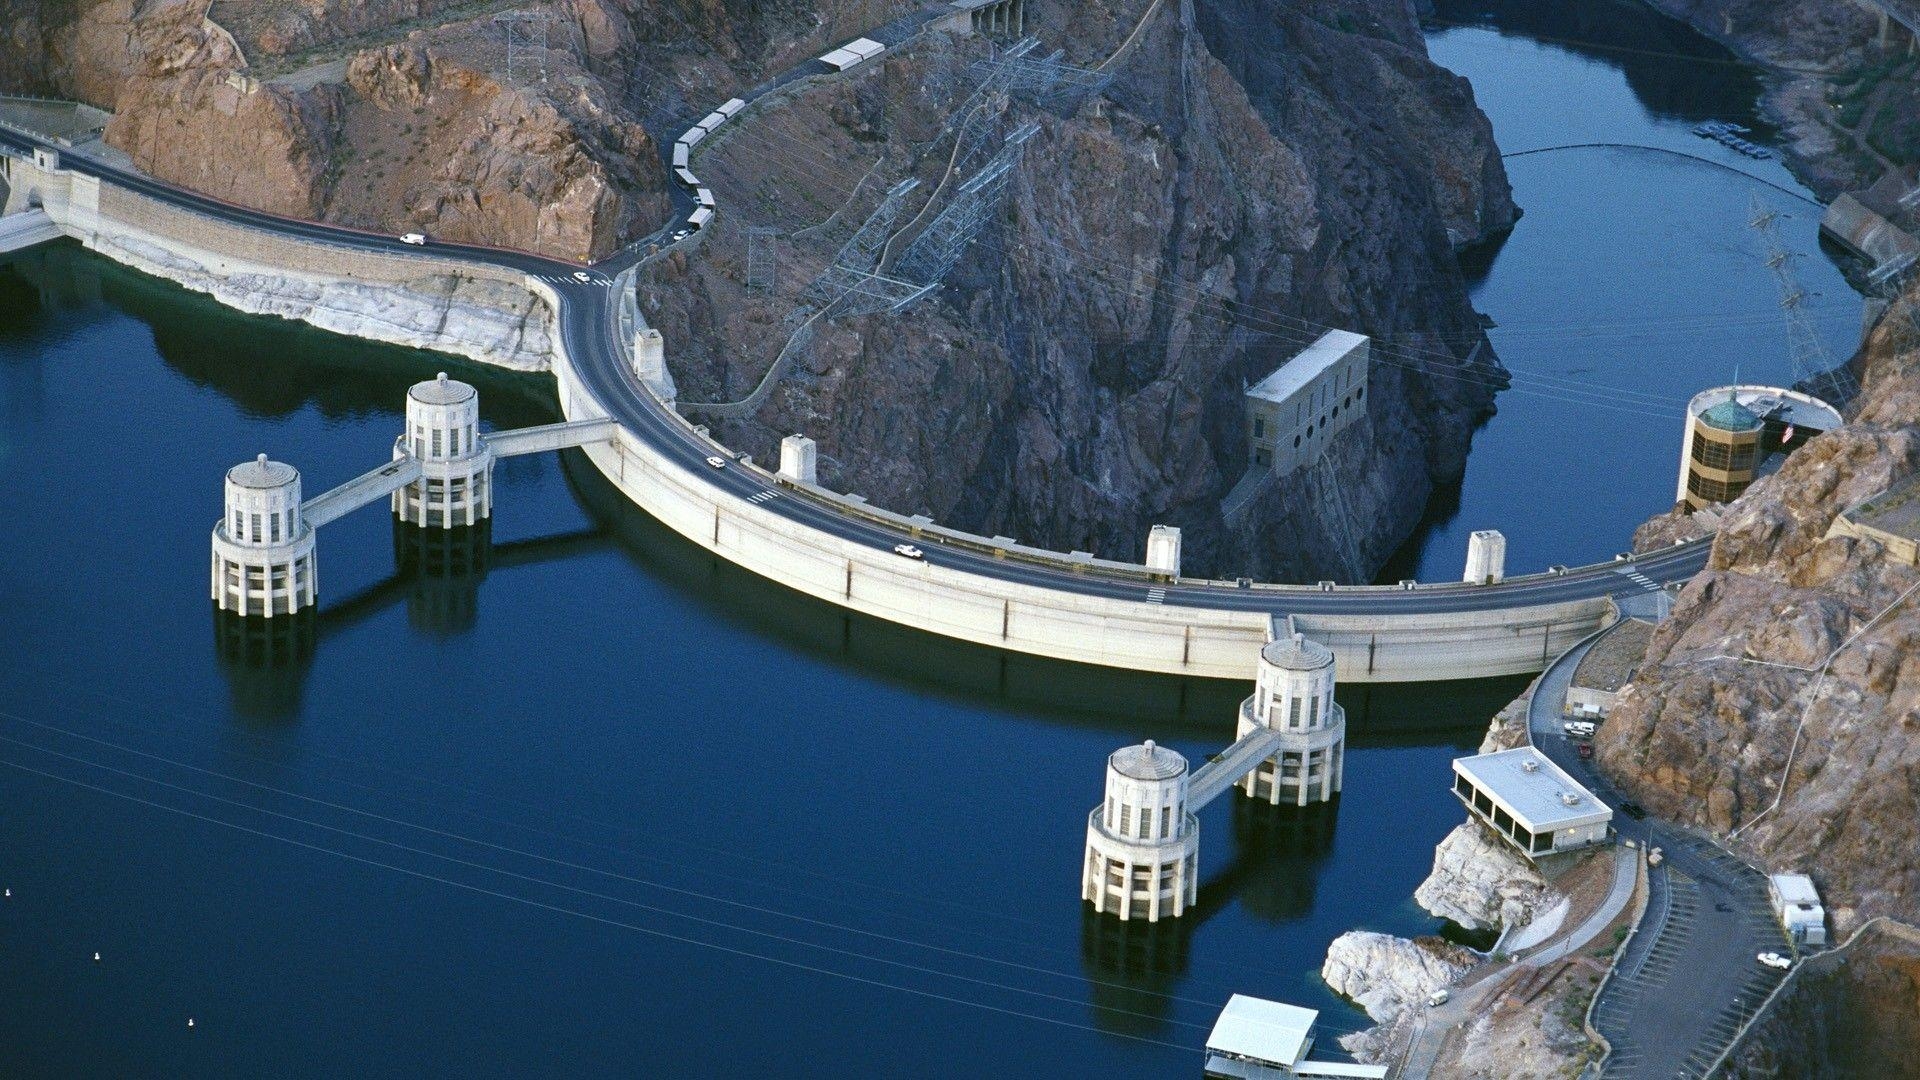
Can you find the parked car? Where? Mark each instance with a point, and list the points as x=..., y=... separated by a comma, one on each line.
x=1633, y=810
x=1585, y=750
x=1774, y=960
x=414, y=238
x=1438, y=998
x=909, y=551
x=717, y=462
x=1578, y=729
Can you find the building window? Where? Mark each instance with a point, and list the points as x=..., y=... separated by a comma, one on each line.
x=1166, y=821
x=1259, y=427
x=1126, y=819
x=1293, y=713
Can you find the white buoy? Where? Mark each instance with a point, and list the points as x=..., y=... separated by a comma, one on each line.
x=96, y=958
x=189, y=1021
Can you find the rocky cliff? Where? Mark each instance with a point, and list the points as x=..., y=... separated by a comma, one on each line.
x=1253, y=173
x=1849, y=1014
x=1791, y=643
x=1386, y=975
x=1780, y=703
x=1844, y=98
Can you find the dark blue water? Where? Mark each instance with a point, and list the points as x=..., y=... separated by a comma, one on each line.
x=1632, y=283
x=575, y=798
x=588, y=802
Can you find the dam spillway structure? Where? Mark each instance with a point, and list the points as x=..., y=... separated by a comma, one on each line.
x=440, y=478
x=263, y=548
x=455, y=487
x=1143, y=840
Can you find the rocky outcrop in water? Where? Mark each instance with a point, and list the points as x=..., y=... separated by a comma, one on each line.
x=1480, y=882
x=1387, y=975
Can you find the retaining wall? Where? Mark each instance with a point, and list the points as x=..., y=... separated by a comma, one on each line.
x=1047, y=622
x=474, y=310
x=501, y=316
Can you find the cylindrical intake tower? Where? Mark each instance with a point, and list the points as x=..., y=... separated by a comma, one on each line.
x=1293, y=694
x=456, y=465
x=263, y=562
x=1142, y=844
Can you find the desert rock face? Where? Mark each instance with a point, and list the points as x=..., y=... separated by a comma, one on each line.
x=1850, y=1014
x=1794, y=645
x=1386, y=975
x=1078, y=376
x=1480, y=882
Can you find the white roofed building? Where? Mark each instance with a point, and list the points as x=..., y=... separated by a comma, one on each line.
x=1797, y=904
x=1530, y=801
x=1305, y=402
x=1256, y=1039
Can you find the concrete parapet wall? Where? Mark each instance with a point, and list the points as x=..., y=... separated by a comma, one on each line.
x=482, y=312
x=1047, y=622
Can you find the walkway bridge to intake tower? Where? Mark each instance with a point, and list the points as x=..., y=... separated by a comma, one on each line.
x=783, y=524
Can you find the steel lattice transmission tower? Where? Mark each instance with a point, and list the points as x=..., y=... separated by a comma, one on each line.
x=525, y=31
x=1813, y=366
x=763, y=258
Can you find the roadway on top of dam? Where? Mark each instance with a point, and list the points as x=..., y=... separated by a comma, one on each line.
x=588, y=324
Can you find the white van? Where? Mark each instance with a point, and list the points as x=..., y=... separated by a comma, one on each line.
x=1578, y=729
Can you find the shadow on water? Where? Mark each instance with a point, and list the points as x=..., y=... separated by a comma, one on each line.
x=1706, y=83
x=1133, y=967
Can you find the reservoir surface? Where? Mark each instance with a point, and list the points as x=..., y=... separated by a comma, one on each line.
x=573, y=797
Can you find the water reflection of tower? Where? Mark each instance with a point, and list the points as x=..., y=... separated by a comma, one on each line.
x=265, y=661
x=444, y=569
x=1132, y=965
x=1278, y=857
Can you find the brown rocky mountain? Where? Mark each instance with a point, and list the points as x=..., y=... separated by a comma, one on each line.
x=1255, y=171
x=1782, y=698
x=1163, y=245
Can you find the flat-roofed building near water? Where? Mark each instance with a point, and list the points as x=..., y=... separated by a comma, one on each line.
x=1530, y=801
x=1294, y=412
x=1257, y=1039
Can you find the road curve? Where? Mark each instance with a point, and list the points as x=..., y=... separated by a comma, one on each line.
x=587, y=320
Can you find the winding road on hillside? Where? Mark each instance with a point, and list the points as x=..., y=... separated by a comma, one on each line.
x=588, y=325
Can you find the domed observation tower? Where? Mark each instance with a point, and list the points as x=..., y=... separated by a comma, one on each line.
x=1142, y=842
x=456, y=465
x=263, y=562
x=1293, y=695
x=1737, y=434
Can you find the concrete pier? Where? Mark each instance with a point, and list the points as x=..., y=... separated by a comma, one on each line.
x=799, y=459
x=440, y=479
x=1143, y=845
x=1163, y=552
x=1486, y=558
x=263, y=558
x=1293, y=699
x=455, y=487
x=1290, y=747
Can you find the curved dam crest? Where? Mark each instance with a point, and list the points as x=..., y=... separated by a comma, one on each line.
x=987, y=591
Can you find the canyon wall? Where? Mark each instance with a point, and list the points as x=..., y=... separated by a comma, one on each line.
x=1248, y=178
x=1781, y=699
